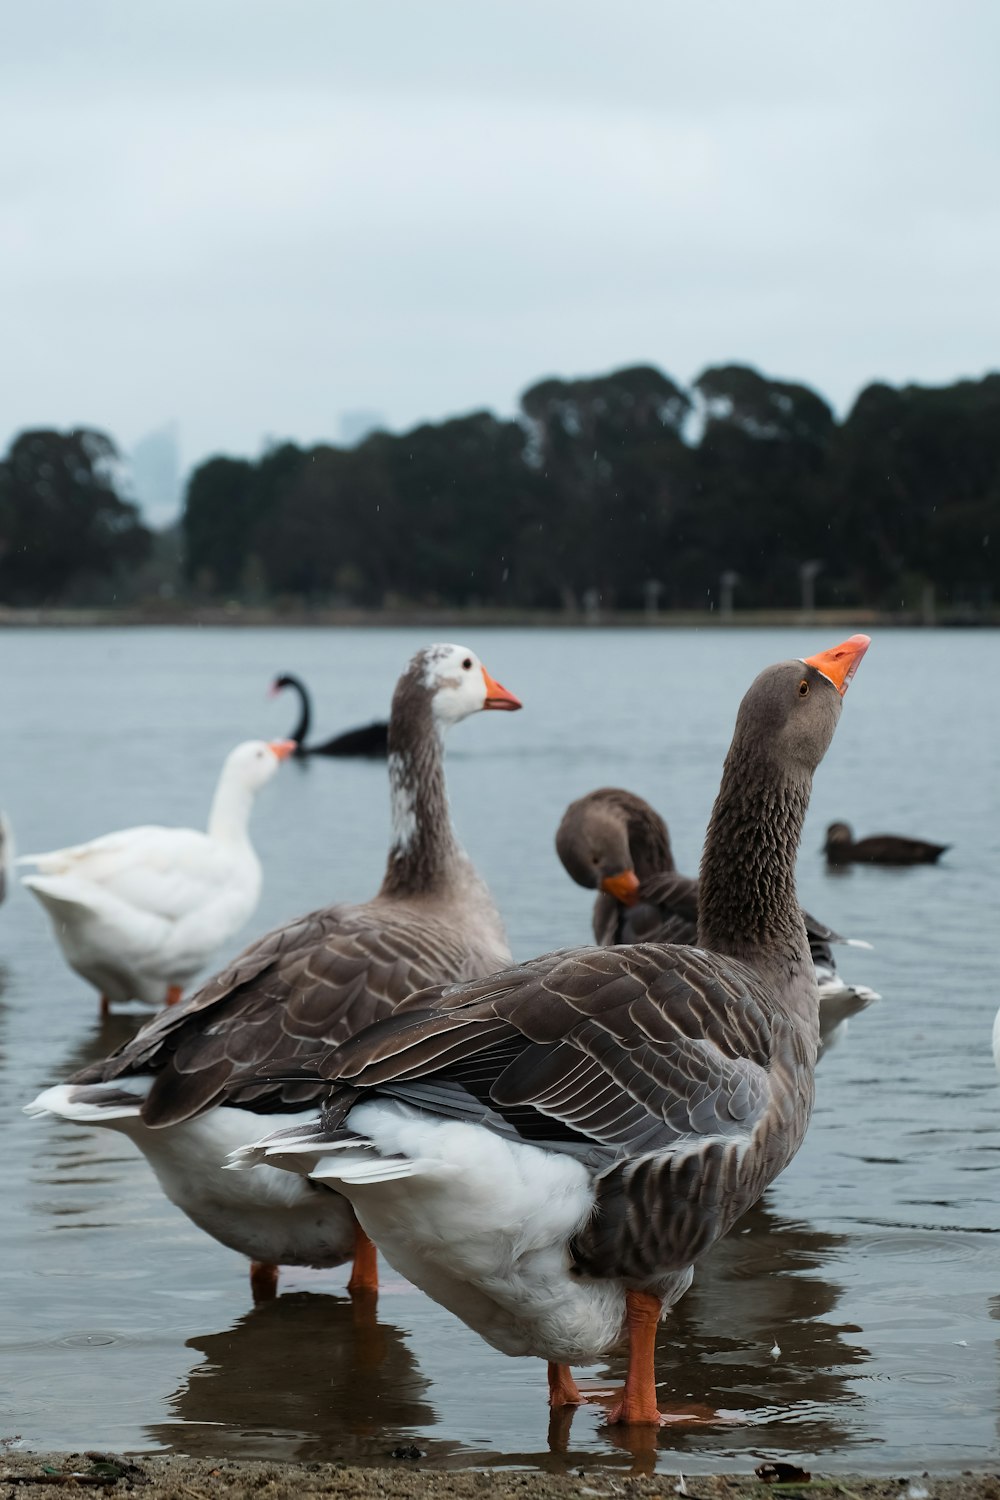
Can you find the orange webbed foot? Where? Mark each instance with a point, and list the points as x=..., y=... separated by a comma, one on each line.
x=364, y=1271
x=624, y=1413
x=563, y=1389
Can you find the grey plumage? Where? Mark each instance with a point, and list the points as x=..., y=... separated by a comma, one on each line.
x=307, y=986
x=611, y=829
x=684, y=1076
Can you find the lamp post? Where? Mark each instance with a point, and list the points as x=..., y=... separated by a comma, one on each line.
x=807, y=578
x=727, y=583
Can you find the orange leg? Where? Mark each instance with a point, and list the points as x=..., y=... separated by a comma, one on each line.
x=638, y=1402
x=563, y=1389
x=364, y=1272
x=263, y=1281
x=105, y=1007
x=174, y=993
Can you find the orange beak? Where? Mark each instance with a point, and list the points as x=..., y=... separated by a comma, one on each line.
x=497, y=696
x=839, y=664
x=281, y=748
x=624, y=887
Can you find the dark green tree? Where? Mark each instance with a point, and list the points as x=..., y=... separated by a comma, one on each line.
x=917, y=491
x=761, y=498
x=610, y=468
x=458, y=491
x=228, y=502
x=62, y=520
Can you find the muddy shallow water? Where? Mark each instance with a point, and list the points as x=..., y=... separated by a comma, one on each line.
x=854, y=1317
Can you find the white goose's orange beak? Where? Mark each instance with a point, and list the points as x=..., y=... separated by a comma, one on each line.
x=839, y=664
x=282, y=748
x=497, y=696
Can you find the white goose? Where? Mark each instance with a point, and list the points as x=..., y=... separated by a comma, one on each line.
x=137, y=913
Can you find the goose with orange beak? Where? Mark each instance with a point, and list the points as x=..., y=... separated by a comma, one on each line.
x=197, y=1082
x=140, y=912
x=550, y=1151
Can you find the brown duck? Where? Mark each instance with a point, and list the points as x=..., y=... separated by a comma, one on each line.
x=548, y=1152
x=841, y=848
x=614, y=842
x=187, y=1089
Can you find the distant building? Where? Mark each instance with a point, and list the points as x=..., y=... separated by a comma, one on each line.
x=355, y=426
x=155, y=466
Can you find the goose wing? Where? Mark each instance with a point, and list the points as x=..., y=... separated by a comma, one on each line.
x=292, y=995
x=656, y=1066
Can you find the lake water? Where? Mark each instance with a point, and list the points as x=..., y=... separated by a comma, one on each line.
x=874, y=1263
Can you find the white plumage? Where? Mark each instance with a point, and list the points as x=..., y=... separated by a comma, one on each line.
x=511, y=1209
x=139, y=912
x=266, y=1214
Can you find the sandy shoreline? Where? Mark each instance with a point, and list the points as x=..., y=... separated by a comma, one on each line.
x=158, y=1477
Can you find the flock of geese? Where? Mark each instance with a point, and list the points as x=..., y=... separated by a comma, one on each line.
x=546, y=1149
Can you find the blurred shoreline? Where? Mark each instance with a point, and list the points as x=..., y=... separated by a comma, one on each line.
x=236, y=614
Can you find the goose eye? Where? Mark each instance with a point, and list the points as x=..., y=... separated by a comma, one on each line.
x=803, y=688
x=467, y=664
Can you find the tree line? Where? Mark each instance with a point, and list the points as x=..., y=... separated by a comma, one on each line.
x=624, y=488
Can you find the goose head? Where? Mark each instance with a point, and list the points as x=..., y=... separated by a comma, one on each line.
x=252, y=764
x=790, y=711
x=456, y=684
x=592, y=842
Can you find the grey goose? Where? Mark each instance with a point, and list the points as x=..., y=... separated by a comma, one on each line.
x=187, y=1088
x=548, y=1151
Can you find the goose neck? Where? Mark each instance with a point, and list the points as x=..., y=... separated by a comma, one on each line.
x=229, y=819
x=649, y=846
x=748, y=907
x=424, y=853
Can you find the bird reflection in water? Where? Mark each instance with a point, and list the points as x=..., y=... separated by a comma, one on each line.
x=108, y=1034
x=305, y=1377
x=765, y=1287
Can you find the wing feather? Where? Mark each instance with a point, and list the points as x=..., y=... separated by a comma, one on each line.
x=282, y=1005
x=657, y=1059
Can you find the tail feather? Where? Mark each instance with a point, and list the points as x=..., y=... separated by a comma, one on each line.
x=83, y=1105
x=65, y=891
x=361, y=1170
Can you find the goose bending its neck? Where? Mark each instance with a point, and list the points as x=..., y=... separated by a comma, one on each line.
x=613, y=842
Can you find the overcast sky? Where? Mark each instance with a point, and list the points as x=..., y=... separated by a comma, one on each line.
x=253, y=216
